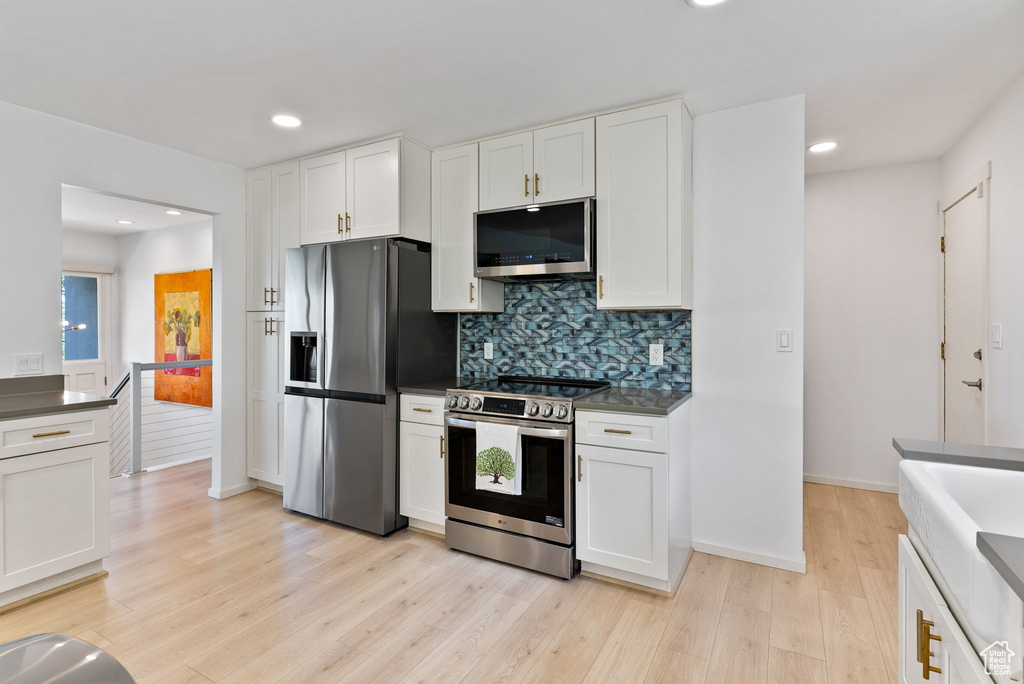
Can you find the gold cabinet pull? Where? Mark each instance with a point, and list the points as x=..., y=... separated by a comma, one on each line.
x=266, y=331
x=272, y=293
x=51, y=434
x=536, y=184
x=600, y=287
x=924, y=645
x=442, y=447
x=619, y=432
x=265, y=291
x=340, y=229
x=579, y=468
x=471, y=293
x=423, y=410
x=348, y=223
x=272, y=331
x=526, y=185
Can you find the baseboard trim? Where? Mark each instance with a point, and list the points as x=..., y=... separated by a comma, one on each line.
x=269, y=487
x=425, y=527
x=163, y=466
x=51, y=586
x=852, y=484
x=231, y=491
x=791, y=564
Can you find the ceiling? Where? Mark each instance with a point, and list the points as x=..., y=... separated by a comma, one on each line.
x=893, y=81
x=89, y=211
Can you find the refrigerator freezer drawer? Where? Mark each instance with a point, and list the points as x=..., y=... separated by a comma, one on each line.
x=304, y=454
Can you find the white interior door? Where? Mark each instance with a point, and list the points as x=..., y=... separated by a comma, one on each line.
x=966, y=297
x=84, y=348
x=374, y=199
x=506, y=171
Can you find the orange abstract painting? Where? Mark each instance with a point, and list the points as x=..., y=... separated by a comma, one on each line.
x=184, y=332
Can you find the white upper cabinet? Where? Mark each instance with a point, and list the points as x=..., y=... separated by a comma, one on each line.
x=547, y=165
x=322, y=198
x=259, y=240
x=453, y=202
x=373, y=190
x=376, y=190
x=506, y=171
x=285, y=224
x=563, y=161
x=644, y=234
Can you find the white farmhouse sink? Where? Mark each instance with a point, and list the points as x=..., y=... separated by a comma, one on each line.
x=946, y=506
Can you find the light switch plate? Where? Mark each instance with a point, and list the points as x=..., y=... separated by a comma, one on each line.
x=996, y=335
x=28, y=364
x=784, y=340
x=488, y=350
x=657, y=353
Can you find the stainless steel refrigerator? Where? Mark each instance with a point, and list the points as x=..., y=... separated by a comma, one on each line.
x=358, y=324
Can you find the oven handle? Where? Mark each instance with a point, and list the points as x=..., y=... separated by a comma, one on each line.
x=528, y=431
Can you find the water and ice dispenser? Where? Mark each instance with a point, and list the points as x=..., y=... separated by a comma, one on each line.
x=303, y=357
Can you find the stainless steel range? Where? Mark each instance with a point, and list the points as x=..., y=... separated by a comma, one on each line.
x=534, y=528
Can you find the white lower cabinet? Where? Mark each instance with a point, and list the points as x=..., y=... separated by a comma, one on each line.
x=622, y=510
x=421, y=454
x=932, y=646
x=265, y=397
x=54, y=510
x=633, y=496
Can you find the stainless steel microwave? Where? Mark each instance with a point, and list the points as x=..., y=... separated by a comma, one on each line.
x=555, y=239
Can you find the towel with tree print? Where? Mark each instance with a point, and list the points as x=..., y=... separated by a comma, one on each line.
x=498, y=458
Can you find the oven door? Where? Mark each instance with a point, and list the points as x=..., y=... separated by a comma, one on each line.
x=543, y=510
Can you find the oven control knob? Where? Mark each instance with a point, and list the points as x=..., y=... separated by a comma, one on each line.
x=453, y=401
x=475, y=404
x=546, y=412
x=533, y=409
x=561, y=412
x=463, y=401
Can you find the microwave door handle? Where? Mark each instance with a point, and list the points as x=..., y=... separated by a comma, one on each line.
x=527, y=431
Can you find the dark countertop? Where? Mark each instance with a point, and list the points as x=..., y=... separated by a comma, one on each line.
x=1005, y=458
x=42, y=403
x=1006, y=554
x=438, y=388
x=632, y=400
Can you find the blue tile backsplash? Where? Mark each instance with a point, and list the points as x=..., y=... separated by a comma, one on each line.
x=556, y=329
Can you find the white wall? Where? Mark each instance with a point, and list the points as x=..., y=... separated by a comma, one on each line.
x=40, y=152
x=873, y=317
x=748, y=283
x=88, y=248
x=999, y=137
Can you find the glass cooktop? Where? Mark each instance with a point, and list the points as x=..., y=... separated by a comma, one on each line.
x=554, y=388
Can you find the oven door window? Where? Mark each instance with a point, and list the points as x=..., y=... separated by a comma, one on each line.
x=543, y=479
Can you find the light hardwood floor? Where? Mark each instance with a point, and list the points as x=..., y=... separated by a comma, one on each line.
x=241, y=591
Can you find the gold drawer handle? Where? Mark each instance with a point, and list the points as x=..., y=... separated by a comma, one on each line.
x=51, y=434
x=442, y=447
x=424, y=410
x=924, y=645
x=619, y=432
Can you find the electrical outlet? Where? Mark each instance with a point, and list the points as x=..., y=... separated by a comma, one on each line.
x=996, y=335
x=657, y=352
x=488, y=350
x=28, y=364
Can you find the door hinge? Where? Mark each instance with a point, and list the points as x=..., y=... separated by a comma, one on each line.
x=942, y=245
x=942, y=351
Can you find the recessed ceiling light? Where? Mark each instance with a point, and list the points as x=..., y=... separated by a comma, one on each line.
x=174, y=212
x=287, y=120
x=703, y=3
x=125, y=223
x=825, y=146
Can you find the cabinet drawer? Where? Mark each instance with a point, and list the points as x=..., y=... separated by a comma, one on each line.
x=56, y=431
x=623, y=430
x=417, y=408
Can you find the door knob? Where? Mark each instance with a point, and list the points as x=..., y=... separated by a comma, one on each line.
x=973, y=384
x=977, y=355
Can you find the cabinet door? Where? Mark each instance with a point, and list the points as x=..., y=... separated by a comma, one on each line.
x=54, y=512
x=421, y=472
x=285, y=213
x=506, y=171
x=622, y=510
x=265, y=397
x=259, y=240
x=453, y=194
x=373, y=190
x=322, y=199
x=640, y=245
x=563, y=161
x=952, y=653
